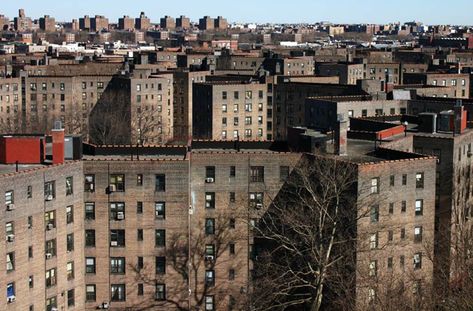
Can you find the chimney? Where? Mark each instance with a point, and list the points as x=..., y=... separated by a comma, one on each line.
x=58, y=143
x=340, y=135
x=460, y=118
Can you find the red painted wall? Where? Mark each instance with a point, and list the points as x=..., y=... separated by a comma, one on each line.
x=391, y=132
x=25, y=150
x=58, y=146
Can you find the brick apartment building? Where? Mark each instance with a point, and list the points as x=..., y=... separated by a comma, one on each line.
x=229, y=111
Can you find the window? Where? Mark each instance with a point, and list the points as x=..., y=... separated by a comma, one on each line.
x=117, y=211
x=117, y=265
x=160, y=238
x=29, y=192
x=419, y=207
x=210, y=251
x=69, y=185
x=418, y=234
x=232, y=223
x=210, y=277
x=90, y=265
x=391, y=208
x=403, y=206
x=390, y=262
x=257, y=174
x=139, y=207
x=69, y=214
x=140, y=263
x=9, y=228
x=160, y=292
x=224, y=95
x=209, y=226
x=403, y=234
x=160, y=210
x=232, y=171
x=70, y=270
x=419, y=180
x=236, y=95
x=117, y=238
x=89, y=238
x=89, y=183
x=89, y=211
x=160, y=265
x=49, y=190
x=231, y=248
x=210, y=173
x=371, y=295
x=209, y=303
x=417, y=261
x=373, y=268
x=391, y=180
x=9, y=197
x=401, y=261
x=256, y=200
x=10, y=291
x=248, y=108
x=139, y=180
x=374, y=185
x=283, y=173
x=224, y=108
x=51, y=277
x=70, y=298
x=404, y=179
x=30, y=222
x=117, y=183
x=90, y=292
x=374, y=214
x=50, y=248
x=232, y=197
x=50, y=220
x=374, y=241
x=70, y=242
x=210, y=200
x=140, y=289
x=51, y=303
x=117, y=292
x=30, y=252
x=160, y=183
x=390, y=235
x=10, y=261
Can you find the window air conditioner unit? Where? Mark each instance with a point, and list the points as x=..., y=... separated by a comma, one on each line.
x=120, y=215
x=209, y=180
x=112, y=188
x=10, y=207
x=259, y=206
x=49, y=227
x=209, y=257
x=113, y=243
x=49, y=255
x=54, y=309
x=104, y=305
x=49, y=197
x=10, y=238
x=11, y=299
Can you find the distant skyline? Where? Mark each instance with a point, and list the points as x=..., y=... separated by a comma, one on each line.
x=455, y=12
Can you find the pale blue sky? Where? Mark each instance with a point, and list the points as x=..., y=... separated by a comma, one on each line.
x=338, y=11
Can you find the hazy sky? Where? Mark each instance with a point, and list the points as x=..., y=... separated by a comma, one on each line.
x=338, y=11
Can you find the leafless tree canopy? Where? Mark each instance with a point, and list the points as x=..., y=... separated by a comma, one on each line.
x=307, y=237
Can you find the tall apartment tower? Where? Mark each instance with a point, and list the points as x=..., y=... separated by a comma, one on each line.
x=167, y=22
x=206, y=23
x=183, y=22
x=99, y=22
x=220, y=23
x=47, y=23
x=142, y=22
x=22, y=23
x=84, y=23
x=126, y=23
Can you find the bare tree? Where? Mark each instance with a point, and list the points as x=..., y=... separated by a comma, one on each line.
x=308, y=234
x=191, y=258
